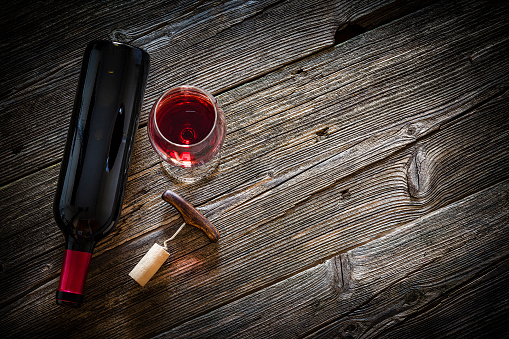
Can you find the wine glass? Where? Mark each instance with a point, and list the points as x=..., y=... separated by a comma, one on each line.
x=187, y=128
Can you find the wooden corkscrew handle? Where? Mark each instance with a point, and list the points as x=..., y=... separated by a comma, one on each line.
x=191, y=215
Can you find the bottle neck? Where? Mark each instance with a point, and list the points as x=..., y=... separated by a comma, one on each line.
x=79, y=245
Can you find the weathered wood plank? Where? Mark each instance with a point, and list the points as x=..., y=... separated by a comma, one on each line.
x=383, y=288
x=215, y=47
x=480, y=308
x=144, y=212
x=34, y=28
x=291, y=84
x=39, y=88
x=255, y=255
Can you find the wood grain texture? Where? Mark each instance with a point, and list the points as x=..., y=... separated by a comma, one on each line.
x=329, y=152
x=214, y=45
x=259, y=254
x=43, y=69
x=480, y=303
x=424, y=267
x=284, y=148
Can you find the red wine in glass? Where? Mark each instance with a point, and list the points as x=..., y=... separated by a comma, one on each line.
x=187, y=128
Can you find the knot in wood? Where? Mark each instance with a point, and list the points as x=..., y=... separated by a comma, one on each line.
x=412, y=297
x=119, y=35
x=413, y=129
x=17, y=149
x=351, y=327
x=323, y=132
x=417, y=174
x=345, y=194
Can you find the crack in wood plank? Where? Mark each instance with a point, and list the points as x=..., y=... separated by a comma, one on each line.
x=259, y=73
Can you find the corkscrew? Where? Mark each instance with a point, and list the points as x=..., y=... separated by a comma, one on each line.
x=190, y=215
x=157, y=255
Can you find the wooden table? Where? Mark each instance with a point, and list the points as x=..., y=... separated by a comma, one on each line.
x=362, y=192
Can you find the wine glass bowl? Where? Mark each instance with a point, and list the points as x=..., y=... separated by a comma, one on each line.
x=187, y=128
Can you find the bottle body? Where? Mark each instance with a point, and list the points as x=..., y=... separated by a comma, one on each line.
x=96, y=159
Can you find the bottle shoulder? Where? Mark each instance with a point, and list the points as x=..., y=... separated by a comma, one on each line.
x=84, y=224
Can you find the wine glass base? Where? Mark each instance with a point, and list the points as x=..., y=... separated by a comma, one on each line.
x=192, y=174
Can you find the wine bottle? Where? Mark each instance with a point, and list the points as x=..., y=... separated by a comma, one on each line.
x=96, y=159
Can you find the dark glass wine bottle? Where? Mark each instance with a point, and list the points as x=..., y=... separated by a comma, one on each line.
x=96, y=159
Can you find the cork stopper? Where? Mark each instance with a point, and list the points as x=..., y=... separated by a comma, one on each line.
x=149, y=264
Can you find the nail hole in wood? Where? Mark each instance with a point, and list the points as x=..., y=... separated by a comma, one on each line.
x=323, y=132
x=119, y=35
x=17, y=149
x=412, y=297
x=345, y=194
x=347, y=32
x=351, y=328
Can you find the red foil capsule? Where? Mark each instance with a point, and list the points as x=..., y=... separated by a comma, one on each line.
x=74, y=271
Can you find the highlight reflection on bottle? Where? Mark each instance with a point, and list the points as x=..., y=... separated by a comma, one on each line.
x=96, y=159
